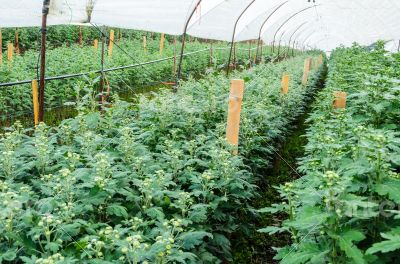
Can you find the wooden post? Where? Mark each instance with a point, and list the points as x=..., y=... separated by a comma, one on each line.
x=80, y=40
x=211, y=54
x=111, y=43
x=96, y=44
x=35, y=101
x=10, y=51
x=1, y=48
x=234, y=109
x=17, y=50
x=145, y=44
x=307, y=65
x=285, y=83
x=174, y=67
x=340, y=100
x=162, y=39
x=119, y=35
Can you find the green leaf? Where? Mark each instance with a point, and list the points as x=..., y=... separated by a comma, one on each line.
x=391, y=188
x=308, y=218
x=346, y=244
x=391, y=244
x=117, y=210
x=272, y=230
x=10, y=255
x=191, y=239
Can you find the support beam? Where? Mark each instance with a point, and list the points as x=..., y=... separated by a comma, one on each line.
x=45, y=12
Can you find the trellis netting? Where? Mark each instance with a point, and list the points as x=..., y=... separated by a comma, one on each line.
x=325, y=24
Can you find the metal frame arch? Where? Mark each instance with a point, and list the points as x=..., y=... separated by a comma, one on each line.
x=263, y=24
x=234, y=33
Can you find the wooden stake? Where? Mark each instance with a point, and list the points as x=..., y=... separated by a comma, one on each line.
x=340, y=100
x=162, y=39
x=234, y=109
x=211, y=54
x=119, y=35
x=80, y=39
x=145, y=44
x=307, y=65
x=35, y=100
x=96, y=44
x=174, y=67
x=10, y=51
x=110, y=45
x=1, y=48
x=17, y=50
x=285, y=83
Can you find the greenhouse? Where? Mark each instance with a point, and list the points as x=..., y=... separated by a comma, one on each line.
x=199, y=131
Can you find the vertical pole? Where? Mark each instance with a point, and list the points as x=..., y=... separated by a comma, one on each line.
x=285, y=84
x=119, y=35
x=249, y=43
x=1, y=47
x=234, y=33
x=80, y=40
x=211, y=54
x=144, y=44
x=103, y=49
x=45, y=12
x=162, y=39
x=174, y=69
x=178, y=76
x=294, y=43
x=35, y=101
x=17, y=50
x=234, y=55
x=111, y=43
x=96, y=44
x=234, y=109
x=10, y=51
x=306, y=70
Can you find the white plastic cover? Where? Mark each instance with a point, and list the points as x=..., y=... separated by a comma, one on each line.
x=325, y=23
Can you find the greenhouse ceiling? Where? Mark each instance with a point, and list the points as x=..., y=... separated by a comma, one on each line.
x=323, y=24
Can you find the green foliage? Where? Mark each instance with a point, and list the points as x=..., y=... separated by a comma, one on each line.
x=351, y=171
x=151, y=182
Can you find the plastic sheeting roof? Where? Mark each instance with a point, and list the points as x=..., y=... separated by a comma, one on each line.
x=325, y=23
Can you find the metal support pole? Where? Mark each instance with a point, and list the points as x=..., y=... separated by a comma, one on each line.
x=178, y=76
x=233, y=36
x=287, y=20
x=262, y=26
x=45, y=12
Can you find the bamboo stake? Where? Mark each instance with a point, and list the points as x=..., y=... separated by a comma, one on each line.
x=340, y=100
x=174, y=67
x=10, y=51
x=285, y=83
x=96, y=44
x=35, y=101
x=234, y=109
x=145, y=44
x=119, y=35
x=307, y=65
x=110, y=45
x=162, y=43
x=80, y=36
x=17, y=50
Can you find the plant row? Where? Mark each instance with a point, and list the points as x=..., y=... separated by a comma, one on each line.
x=151, y=182
x=345, y=207
x=76, y=59
x=57, y=36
